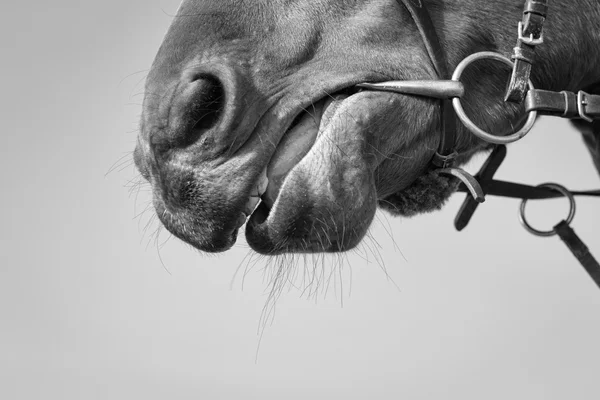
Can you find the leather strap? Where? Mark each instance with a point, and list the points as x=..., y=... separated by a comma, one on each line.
x=530, y=34
x=446, y=153
x=564, y=104
x=494, y=187
x=422, y=19
x=520, y=191
x=484, y=177
x=579, y=250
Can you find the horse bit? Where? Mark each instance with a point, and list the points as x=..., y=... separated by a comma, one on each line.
x=520, y=88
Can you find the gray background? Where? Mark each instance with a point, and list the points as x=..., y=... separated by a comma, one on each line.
x=89, y=311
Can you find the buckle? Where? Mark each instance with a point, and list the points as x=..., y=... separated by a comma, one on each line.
x=442, y=161
x=536, y=7
x=581, y=103
x=531, y=41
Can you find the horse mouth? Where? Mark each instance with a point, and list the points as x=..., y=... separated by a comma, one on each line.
x=297, y=142
x=292, y=216
x=316, y=190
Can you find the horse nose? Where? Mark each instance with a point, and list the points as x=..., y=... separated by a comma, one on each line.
x=196, y=108
x=199, y=107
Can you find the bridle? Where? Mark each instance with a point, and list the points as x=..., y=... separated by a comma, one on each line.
x=449, y=90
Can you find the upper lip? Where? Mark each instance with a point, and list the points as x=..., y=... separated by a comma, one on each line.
x=320, y=94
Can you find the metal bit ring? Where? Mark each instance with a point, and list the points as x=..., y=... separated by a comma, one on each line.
x=460, y=112
x=563, y=190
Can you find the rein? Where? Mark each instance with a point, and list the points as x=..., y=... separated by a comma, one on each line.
x=449, y=90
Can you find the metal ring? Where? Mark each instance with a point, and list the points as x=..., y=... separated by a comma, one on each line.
x=460, y=112
x=552, y=232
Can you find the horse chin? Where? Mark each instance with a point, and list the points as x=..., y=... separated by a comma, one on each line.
x=429, y=192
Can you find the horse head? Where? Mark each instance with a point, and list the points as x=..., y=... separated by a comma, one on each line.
x=254, y=103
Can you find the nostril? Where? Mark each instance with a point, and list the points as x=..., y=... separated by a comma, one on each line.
x=195, y=107
x=207, y=100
